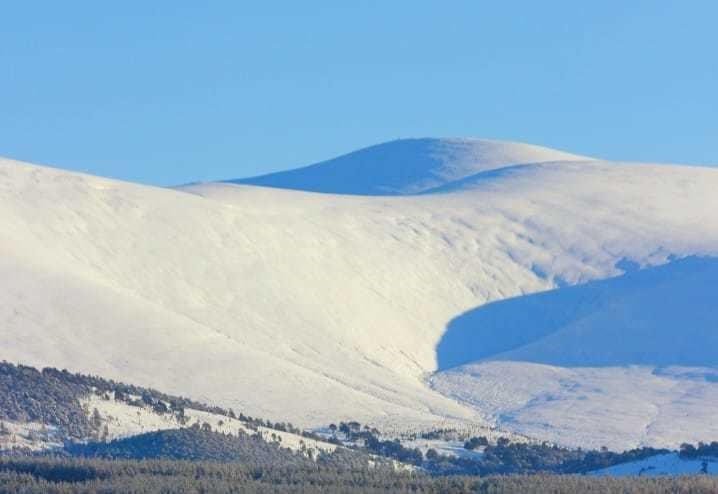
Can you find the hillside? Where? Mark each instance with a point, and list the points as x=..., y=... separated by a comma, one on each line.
x=662, y=465
x=408, y=166
x=53, y=413
x=318, y=307
x=46, y=409
x=192, y=444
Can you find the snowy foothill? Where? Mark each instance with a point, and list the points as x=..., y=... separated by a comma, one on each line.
x=117, y=420
x=124, y=420
x=461, y=281
x=32, y=436
x=667, y=464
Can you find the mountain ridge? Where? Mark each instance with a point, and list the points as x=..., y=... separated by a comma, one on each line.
x=407, y=166
x=335, y=302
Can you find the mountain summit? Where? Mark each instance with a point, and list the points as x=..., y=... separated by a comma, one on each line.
x=408, y=166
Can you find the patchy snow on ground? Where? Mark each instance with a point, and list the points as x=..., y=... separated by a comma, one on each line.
x=123, y=420
x=446, y=448
x=32, y=436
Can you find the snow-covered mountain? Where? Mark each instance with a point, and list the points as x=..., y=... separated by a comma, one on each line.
x=431, y=281
x=408, y=166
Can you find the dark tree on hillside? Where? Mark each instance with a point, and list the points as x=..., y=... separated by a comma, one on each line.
x=475, y=442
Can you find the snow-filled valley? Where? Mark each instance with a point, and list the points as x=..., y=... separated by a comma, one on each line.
x=414, y=284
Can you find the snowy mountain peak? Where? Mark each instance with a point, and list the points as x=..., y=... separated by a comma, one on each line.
x=408, y=166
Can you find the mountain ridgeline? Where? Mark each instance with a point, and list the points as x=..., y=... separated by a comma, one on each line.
x=408, y=166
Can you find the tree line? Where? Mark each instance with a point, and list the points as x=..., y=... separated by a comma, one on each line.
x=94, y=476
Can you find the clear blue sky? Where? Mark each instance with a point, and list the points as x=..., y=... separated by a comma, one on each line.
x=166, y=92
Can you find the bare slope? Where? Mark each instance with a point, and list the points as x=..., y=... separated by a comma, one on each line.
x=317, y=307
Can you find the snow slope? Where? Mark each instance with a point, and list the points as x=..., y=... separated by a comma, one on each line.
x=408, y=166
x=628, y=320
x=123, y=420
x=292, y=305
x=668, y=464
x=620, y=407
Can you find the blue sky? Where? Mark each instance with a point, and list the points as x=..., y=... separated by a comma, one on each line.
x=167, y=92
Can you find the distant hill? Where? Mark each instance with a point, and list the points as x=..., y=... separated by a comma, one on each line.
x=42, y=410
x=193, y=444
x=408, y=166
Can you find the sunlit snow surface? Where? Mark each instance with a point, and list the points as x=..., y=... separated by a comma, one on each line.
x=313, y=308
x=668, y=464
x=408, y=166
x=613, y=406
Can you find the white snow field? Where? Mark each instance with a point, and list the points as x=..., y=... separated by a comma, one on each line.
x=408, y=166
x=471, y=295
x=667, y=464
